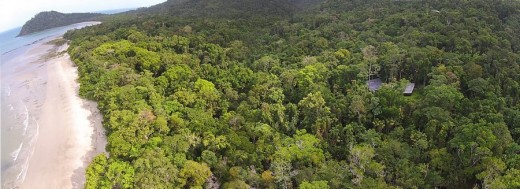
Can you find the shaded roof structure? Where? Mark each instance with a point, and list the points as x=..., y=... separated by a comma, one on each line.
x=409, y=89
x=374, y=84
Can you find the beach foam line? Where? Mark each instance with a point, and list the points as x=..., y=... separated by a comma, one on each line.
x=34, y=137
x=23, y=173
x=8, y=91
x=16, y=153
x=20, y=178
x=26, y=120
x=26, y=153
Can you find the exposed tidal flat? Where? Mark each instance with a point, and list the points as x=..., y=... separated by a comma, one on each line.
x=49, y=134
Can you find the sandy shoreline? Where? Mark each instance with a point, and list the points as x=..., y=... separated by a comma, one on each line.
x=69, y=132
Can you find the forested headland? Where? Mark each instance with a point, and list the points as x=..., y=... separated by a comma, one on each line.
x=273, y=94
x=53, y=19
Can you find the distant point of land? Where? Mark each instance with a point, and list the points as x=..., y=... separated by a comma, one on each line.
x=52, y=19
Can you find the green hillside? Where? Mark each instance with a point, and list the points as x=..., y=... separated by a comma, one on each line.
x=273, y=94
x=52, y=19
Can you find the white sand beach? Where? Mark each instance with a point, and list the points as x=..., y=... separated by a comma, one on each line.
x=68, y=131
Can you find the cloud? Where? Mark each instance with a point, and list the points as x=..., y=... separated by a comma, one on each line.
x=14, y=13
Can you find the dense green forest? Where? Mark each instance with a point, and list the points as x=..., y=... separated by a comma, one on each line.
x=273, y=94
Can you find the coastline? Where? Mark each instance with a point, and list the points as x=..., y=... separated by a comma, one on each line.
x=66, y=129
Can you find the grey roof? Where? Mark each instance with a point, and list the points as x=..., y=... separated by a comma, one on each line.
x=409, y=88
x=374, y=84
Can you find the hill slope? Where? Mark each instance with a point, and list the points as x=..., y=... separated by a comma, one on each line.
x=244, y=94
x=52, y=19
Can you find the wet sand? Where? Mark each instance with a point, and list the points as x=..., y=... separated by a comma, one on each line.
x=69, y=131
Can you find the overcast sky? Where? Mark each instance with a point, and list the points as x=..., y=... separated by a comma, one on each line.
x=14, y=13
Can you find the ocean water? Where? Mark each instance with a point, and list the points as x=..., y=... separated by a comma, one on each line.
x=18, y=115
x=9, y=42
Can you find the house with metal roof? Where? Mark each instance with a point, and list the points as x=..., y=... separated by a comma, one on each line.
x=409, y=89
x=374, y=84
